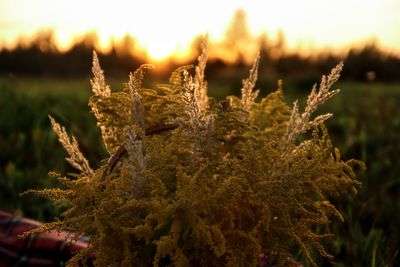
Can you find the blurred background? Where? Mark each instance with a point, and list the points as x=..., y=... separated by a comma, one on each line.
x=45, y=62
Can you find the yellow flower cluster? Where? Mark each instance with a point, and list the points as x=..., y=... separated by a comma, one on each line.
x=193, y=182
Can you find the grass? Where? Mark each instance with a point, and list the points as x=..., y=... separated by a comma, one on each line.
x=365, y=126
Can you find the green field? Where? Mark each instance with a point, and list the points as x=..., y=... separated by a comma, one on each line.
x=365, y=126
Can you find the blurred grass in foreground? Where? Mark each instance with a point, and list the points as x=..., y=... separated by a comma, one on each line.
x=366, y=126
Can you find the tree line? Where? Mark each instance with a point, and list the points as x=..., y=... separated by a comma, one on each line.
x=41, y=57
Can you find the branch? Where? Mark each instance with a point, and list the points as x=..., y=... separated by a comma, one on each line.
x=114, y=159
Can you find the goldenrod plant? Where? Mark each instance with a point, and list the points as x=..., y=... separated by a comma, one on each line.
x=194, y=182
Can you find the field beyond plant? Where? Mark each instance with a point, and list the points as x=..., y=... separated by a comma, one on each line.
x=365, y=126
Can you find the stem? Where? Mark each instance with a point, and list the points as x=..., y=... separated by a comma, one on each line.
x=114, y=159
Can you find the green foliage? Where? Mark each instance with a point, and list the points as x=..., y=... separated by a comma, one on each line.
x=368, y=129
x=194, y=182
x=27, y=141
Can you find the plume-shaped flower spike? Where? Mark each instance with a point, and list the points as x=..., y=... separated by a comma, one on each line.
x=76, y=158
x=199, y=78
x=300, y=123
x=135, y=86
x=99, y=86
x=248, y=93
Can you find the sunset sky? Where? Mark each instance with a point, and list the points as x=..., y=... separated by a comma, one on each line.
x=165, y=27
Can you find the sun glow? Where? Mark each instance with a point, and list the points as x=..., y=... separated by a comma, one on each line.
x=163, y=28
x=159, y=50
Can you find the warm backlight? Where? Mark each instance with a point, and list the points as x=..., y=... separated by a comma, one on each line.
x=163, y=28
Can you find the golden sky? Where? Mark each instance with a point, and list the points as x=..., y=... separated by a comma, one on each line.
x=168, y=26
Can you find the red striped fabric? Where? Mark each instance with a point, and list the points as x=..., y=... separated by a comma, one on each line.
x=46, y=249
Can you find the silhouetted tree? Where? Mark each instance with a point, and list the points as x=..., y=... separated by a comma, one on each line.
x=238, y=37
